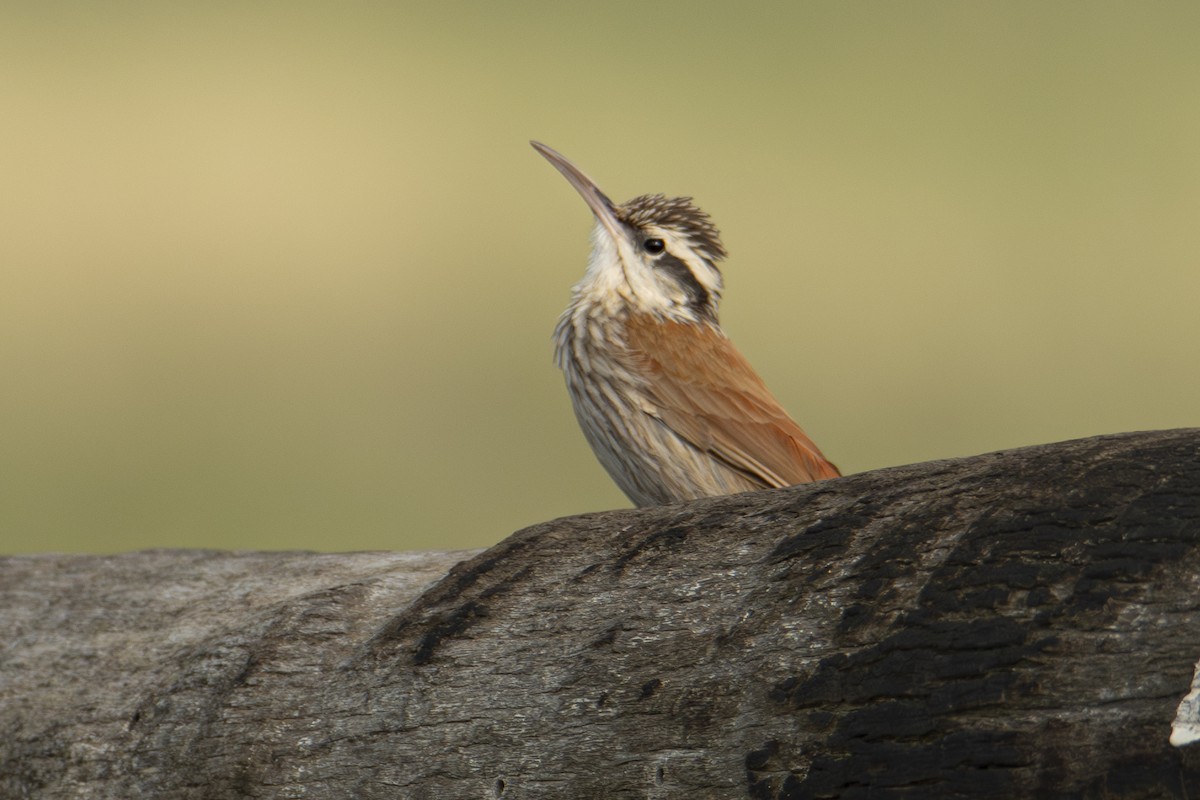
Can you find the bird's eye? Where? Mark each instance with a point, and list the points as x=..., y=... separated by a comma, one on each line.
x=654, y=246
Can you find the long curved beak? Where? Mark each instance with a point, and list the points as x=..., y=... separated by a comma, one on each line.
x=598, y=202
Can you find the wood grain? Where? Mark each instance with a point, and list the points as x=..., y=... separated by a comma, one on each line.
x=1018, y=624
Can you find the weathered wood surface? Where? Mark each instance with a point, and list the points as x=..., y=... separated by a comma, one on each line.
x=1017, y=624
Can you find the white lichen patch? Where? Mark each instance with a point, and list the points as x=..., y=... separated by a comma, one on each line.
x=1186, y=727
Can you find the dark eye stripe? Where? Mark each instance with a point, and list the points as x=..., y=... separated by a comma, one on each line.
x=698, y=296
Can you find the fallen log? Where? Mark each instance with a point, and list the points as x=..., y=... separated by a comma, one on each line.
x=1023, y=623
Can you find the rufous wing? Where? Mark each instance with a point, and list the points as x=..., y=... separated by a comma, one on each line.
x=707, y=393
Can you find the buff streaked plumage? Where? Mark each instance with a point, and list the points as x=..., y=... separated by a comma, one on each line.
x=670, y=407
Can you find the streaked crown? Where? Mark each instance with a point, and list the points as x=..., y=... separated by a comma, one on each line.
x=679, y=214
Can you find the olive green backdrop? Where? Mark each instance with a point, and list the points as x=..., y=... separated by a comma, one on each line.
x=283, y=275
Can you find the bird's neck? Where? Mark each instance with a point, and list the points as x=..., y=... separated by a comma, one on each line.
x=595, y=326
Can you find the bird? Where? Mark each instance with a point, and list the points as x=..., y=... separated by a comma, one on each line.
x=671, y=408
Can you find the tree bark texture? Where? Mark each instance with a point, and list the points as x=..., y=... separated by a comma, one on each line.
x=1018, y=624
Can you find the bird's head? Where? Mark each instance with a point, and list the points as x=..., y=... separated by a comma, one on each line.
x=653, y=254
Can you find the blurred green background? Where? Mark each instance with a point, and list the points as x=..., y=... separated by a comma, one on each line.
x=283, y=275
